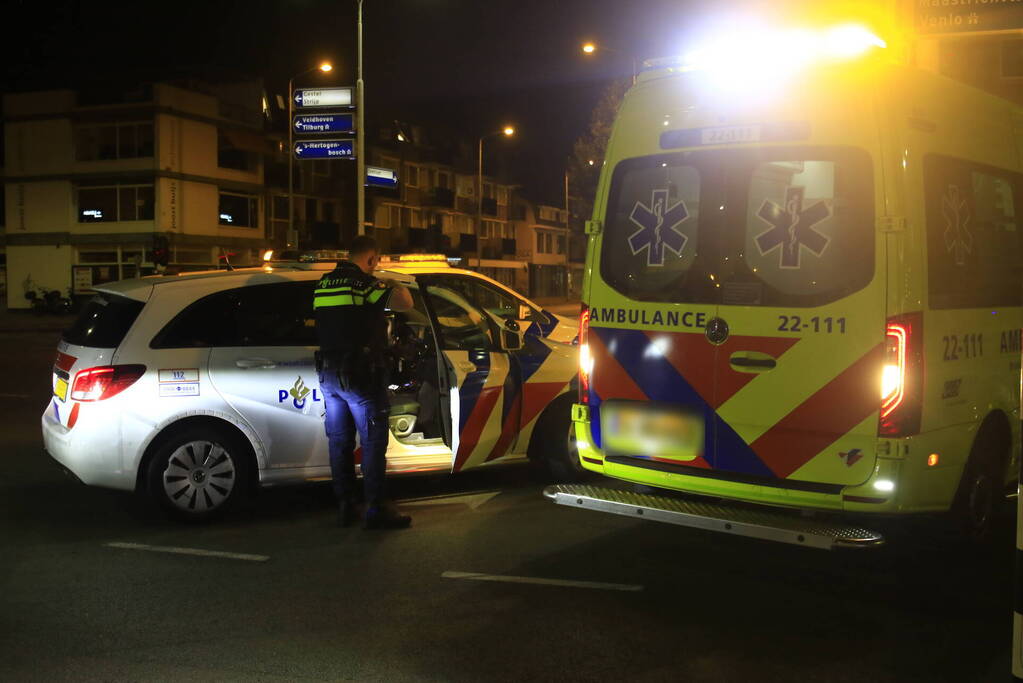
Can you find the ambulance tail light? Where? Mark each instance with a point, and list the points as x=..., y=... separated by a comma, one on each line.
x=105, y=381
x=585, y=358
x=902, y=376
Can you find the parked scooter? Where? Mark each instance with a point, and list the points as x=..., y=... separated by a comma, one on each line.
x=50, y=302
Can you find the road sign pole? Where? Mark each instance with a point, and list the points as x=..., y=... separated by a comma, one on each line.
x=291, y=165
x=360, y=139
x=1017, y=602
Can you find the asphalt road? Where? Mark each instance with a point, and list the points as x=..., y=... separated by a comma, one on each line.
x=324, y=603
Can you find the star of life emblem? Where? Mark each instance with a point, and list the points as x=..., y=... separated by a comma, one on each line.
x=958, y=238
x=657, y=225
x=792, y=228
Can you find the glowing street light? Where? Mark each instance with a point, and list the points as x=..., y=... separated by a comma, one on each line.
x=589, y=48
x=507, y=131
x=326, y=66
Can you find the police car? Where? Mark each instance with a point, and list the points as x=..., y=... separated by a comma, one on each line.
x=803, y=291
x=195, y=388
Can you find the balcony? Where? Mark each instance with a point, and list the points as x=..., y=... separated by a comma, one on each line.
x=489, y=206
x=467, y=243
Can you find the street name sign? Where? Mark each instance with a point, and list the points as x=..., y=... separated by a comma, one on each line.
x=324, y=123
x=381, y=177
x=342, y=148
x=964, y=16
x=324, y=97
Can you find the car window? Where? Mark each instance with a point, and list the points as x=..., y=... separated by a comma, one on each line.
x=278, y=314
x=460, y=326
x=493, y=299
x=104, y=321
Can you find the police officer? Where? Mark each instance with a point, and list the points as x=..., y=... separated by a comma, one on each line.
x=349, y=305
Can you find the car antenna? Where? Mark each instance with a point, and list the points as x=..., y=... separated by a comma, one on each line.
x=225, y=256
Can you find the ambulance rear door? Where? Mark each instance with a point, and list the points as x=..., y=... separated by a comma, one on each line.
x=800, y=319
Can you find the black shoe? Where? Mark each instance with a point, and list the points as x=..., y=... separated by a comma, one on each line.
x=347, y=514
x=387, y=520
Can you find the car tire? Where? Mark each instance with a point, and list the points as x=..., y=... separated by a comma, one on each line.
x=552, y=445
x=199, y=473
x=981, y=488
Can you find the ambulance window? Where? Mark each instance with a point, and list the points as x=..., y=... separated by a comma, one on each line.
x=809, y=233
x=652, y=239
x=973, y=241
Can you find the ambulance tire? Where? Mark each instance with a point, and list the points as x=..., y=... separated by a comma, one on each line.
x=198, y=473
x=979, y=497
x=552, y=446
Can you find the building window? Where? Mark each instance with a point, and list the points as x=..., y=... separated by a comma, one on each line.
x=280, y=205
x=488, y=190
x=544, y=242
x=444, y=180
x=413, y=176
x=413, y=218
x=117, y=203
x=561, y=244
x=114, y=141
x=231, y=154
x=502, y=195
x=394, y=220
x=239, y=210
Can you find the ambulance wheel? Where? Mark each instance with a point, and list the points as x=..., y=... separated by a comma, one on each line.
x=978, y=499
x=553, y=443
x=199, y=472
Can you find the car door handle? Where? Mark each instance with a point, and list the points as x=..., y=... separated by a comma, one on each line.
x=249, y=363
x=751, y=361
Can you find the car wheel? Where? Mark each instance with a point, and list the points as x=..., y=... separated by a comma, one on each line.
x=199, y=473
x=553, y=443
x=978, y=499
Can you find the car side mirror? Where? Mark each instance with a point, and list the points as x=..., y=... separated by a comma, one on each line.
x=511, y=336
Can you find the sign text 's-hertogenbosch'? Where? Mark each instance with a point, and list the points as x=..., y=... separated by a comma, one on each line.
x=324, y=97
x=324, y=123
x=325, y=149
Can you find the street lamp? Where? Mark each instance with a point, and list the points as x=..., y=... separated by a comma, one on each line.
x=323, y=67
x=590, y=48
x=507, y=131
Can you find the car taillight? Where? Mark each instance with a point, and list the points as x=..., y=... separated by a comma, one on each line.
x=902, y=376
x=99, y=383
x=585, y=359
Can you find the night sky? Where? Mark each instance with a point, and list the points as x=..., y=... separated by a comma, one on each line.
x=473, y=64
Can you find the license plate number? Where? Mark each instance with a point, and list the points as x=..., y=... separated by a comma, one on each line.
x=655, y=432
x=60, y=389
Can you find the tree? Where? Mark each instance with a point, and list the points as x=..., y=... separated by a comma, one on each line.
x=589, y=149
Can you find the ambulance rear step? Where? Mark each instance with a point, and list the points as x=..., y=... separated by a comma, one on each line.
x=765, y=523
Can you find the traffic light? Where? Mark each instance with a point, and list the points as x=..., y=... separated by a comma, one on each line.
x=161, y=251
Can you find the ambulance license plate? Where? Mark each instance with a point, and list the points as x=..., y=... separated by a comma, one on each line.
x=664, y=433
x=60, y=389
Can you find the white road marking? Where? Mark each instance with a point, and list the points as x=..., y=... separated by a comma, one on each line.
x=188, y=551
x=473, y=500
x=474, y=576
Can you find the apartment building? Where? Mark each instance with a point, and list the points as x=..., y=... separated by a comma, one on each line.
x=435, y=207
x=94, y=181
x=542, y=239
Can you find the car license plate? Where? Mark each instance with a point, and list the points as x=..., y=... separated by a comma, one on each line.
x=651, y=431
x=60, y=389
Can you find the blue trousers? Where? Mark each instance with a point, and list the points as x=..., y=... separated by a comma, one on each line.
x=349, y=412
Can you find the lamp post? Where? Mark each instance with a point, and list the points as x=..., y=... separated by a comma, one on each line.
x=325, y=67
x=507, y=131
x=360, y=136
x=590, y=48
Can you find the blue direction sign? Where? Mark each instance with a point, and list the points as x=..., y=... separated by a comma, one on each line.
x=381, y=177
x=324, y=123
x=325, y=149
x=324, y=97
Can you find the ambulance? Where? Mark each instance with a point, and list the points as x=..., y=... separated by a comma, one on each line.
x=802, y=295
